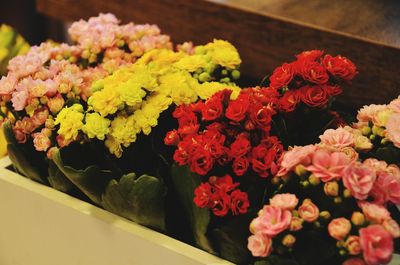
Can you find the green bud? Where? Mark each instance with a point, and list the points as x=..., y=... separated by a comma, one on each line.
x=384, y=141
x=366, y=131
x=235, y=74
x=314, y=180
x=225, y=80
x=372, y=137
x=204, y=77
x=300, y=170
x=325, y=215
x=196, y=76
x=337, y=200
x=378, y=130
x=342, y=252
x=305, y=183
x=224, y=72
x=295, y=213
x=317, y=224
x=199, y=71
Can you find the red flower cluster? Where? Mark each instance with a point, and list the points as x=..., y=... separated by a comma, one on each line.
x=220, y=195
x=311, y=79
x=225, y=132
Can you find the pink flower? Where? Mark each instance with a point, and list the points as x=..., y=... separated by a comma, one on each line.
x=7, y=84
x=377, y=245
x=41, y=141
x=272, y=220
x=393, y=129
x=40, y=116
x=354, y=261
x=359, y=179
x=308, y=211
x=375, y=164
x=395, y=105
x=337, y=139
x=339, y=228
x=19, y=99
x=296, y=224
x=56, y=103
x=284, y=201
x=328, y=166
x=297, y=155
x=366, y=113
x=351, y=153
x=260, y=245
x=386, y=188
x=374, y=212
x=392, y=227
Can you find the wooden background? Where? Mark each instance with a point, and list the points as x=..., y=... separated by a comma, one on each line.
x=270, y=32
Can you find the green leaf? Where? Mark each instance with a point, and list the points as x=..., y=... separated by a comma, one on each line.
x=92, y=181
x=231, y=240
x=58, y=180
x=185, y=183
x=138, y=199
x=389, y=154
x=19, y=157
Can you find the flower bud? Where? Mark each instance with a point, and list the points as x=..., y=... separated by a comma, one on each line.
x=384, y=141
x=337, y=200
x=288, y=240
x=235, y=74
x=357, y=218
x=224, y=72
x=276, y=180
x=372, y=137
x=204, y=77
x=352, y=245
x=56, y=104
x=296, y=224
x=314, y=180
x=325, y=215
x=331, y=188
x=308, y=211
x=339, y=228
x=362, y=143
x=347, y=193
x=305, y=183
x=366, y=130
x=300, y=170
x=392, y=227
x=378, y=131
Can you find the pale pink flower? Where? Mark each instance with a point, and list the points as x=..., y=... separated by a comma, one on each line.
x=366, y=113
x=392, y=227
x=56, y=103
x=7, y=84
x=376, y=164
x=260, y=245
x=40, y=116
x=352, y=244
x=380, y=118
x=337, y=139
x=308, y=211
x=393, y=129
x=328, y=166
x=377, y=245
x=339, y=228
x=296, y=156
x=362, y=143
x=374, y=213
x=354, y=261
x=359, y=179
x=272, y=220
x=284, y=201
x=395, y=105
x=351, y=153
x=41, y=141
x=386, y=188
x=19, y=99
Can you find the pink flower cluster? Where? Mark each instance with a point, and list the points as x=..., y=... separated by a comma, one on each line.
x=40, y=82
x=381, y=122
x=334, y=167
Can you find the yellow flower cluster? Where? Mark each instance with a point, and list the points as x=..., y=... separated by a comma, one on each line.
x=130, y=101
x=70, y=121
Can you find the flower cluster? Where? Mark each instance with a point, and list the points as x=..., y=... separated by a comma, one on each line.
x=130, y=101
x=220, y=195
x=312, y=79
x=50, y=76
x=381, y=123
x=343, y=196
x=224, y=131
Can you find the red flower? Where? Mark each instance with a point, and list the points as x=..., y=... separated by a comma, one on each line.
x=201, y=162
x=172, y=138
x=313, y=72
x=225, y=158
x=263, y=157
x=261, y=116
x=312, y=55
x=282, y=76
x=188, y=124
x=340, y=67
x=240, y=165
x=314, y=96
x=237, y=109
x=180, y=111
x=181, y=156
x=289, y=101
x=224, y=184
x=202, y=195
x=332, y=90
x=220, y=203
x=240, y=146
x=212, y=109
x=239, y=202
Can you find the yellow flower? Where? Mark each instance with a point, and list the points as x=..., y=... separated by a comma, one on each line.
x=113, y=146
x=142, y=76
x=181, y=85
x=131, y=93
x=70, y=120
x=106, y=101
x=206, y=90
x=96, y=126
x=123, y=130
x=224, y=54
x=191, y=63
